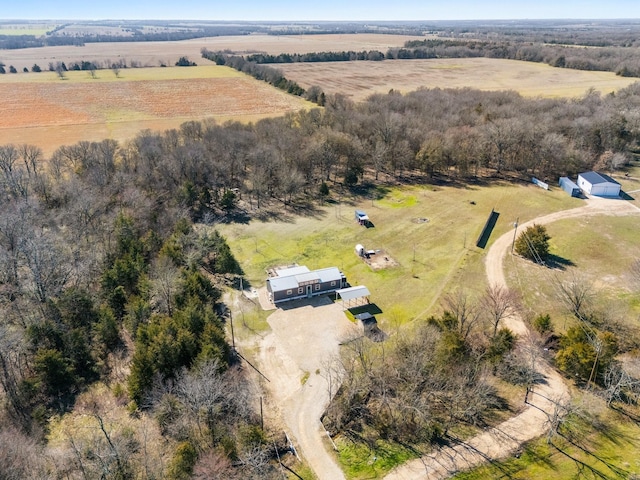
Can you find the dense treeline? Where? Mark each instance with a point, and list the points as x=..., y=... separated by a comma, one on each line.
x=60, y=38
x=603, y=33
x=623, y=61
x=343, y=56
x=268, y=74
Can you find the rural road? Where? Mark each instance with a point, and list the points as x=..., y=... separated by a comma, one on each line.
x=532, y=422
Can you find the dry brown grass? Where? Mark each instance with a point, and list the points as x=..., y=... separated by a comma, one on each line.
x=358, y=80
x=42, y=110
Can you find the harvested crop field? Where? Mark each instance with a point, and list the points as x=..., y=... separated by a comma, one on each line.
x=151, y=54
x=358, y=80
x=43, y=110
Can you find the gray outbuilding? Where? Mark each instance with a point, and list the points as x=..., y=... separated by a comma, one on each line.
x=598, y=184
x=569, y=186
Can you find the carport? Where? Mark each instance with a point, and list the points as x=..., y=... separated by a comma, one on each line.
x=353, y=296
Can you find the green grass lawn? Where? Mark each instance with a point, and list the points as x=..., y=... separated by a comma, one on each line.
x=595, y=250
x=434, y=256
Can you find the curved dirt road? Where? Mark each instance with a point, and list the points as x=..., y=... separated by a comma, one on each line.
x=295, y=356
x=532, y=422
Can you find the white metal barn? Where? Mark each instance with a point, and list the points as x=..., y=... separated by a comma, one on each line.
x=598, y=184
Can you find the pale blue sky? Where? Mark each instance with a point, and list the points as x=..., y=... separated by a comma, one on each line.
x=257, y=10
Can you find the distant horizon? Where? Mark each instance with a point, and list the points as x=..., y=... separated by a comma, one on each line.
x=324, y=11
x=237, y=20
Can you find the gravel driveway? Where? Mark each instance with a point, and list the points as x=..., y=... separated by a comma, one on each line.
x=304, y=337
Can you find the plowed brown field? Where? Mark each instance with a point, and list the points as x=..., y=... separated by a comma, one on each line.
x=43, y=110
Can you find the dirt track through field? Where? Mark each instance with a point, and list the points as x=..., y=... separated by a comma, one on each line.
x=533, y=421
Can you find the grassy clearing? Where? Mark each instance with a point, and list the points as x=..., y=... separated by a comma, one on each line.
x=612, y=450
x=597, y=250
x=433, y=257
x=360, y=462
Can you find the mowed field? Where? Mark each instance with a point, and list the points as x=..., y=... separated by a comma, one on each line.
x=358, y=80
x=42, y=109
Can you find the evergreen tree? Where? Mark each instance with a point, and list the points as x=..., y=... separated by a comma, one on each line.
x=533, y=243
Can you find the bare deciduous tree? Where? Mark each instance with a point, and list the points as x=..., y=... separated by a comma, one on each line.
x=165, y=277
x=498, y=303
x=576, y=294
x=467, y=313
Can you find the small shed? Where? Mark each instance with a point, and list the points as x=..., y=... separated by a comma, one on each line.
x=598, y=184
x=569, y=186
x=362, y=217
x=354, y=296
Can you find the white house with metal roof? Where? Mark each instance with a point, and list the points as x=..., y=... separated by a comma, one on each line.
x=598, y=184
x=299, y=282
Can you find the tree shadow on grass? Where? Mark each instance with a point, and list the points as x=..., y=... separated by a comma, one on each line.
x=557, y=262
x=583, y=468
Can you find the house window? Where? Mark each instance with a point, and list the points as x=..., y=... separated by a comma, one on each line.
x=333, y=284
x=317, y=286
x=300, y=290
x=289, y=292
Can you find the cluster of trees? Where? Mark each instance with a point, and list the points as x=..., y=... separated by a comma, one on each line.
x=104, y=280
x=422, y=384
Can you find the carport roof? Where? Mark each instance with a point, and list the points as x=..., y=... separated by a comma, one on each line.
x=353, y=292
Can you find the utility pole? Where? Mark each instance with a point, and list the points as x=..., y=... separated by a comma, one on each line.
x=515, y=229
x=233, y=337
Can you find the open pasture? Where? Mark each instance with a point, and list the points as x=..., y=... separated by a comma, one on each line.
x=152, y=54
x=433, y=257
x=43, y=110
x=358, y=80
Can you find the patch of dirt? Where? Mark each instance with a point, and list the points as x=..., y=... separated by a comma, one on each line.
x=380, y=260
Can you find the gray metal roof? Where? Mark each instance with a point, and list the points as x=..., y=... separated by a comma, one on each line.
x=302, y=274
x=353, y=292
x=287, y=272
x=596, y=178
